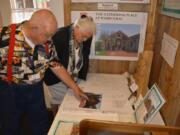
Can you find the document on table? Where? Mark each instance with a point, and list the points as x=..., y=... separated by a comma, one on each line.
x=113, y=105
x=116, y=103
x=110, y=102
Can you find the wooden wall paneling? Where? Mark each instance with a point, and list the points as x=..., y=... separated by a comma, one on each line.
x=156, y=66
x=171, y=111
x=151, y=23
x=144, y=64
x=164, y=84
x=121, y=7
x=178, y=120
x=134, y=7
x=174, y=85
x=165, y=76
x=157, y=61
x=173, y=91
x=160, y=133
x=162, y=26
x=149, y=42
x=84, y=6
x=143, y=70
x=168, y=78
x=176, y=76
x=105, y=66
x=67, y=12
x=132, y=67
x=150, y=34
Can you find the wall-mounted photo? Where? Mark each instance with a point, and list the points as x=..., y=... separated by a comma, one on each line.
x=171, y=8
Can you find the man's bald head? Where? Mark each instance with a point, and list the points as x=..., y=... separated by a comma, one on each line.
x=44, y=18
x=43, y=25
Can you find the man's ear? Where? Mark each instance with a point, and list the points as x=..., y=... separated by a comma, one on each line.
x=34, y=28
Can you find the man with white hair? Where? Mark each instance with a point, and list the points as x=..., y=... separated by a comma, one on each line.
x=72, y=44
x=25, y=54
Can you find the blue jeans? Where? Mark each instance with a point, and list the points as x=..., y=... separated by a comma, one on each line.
x=16, y=100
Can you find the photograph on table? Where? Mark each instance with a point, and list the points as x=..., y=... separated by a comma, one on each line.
x=150, y=105
x=119, y=35
x=93, y=102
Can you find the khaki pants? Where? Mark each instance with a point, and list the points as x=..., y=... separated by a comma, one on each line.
x=47, y=96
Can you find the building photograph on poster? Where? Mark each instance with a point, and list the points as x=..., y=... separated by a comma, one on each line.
x=119, y=36
x=116, y=1
x=93, y=102
x=117, y=40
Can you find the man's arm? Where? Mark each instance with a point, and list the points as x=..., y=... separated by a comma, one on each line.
x=62, y=74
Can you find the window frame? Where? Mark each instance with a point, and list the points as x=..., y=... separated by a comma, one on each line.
x=24, y=11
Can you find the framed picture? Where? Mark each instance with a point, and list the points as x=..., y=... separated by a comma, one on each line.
x=119, y=35
x=150, y=105
x=171, y=8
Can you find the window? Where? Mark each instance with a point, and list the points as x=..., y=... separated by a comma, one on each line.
x=23, y=9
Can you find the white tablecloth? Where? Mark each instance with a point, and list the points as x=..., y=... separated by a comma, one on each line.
x=114, y=107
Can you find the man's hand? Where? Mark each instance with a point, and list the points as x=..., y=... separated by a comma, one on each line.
x=82, y=97
x=62, y=74
x=80, y=94
x=82, y=102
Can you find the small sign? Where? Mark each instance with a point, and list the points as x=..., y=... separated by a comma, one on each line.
x=107, y=6
x=171, y=8
x=133, y=87
x=169, y=49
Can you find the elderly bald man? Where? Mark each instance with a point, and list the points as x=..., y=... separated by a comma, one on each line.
x=23, y=62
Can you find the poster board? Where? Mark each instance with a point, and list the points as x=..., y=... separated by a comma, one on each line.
x=119, y=36
x=171, y=8
x=115, y=1
x=116, y=66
